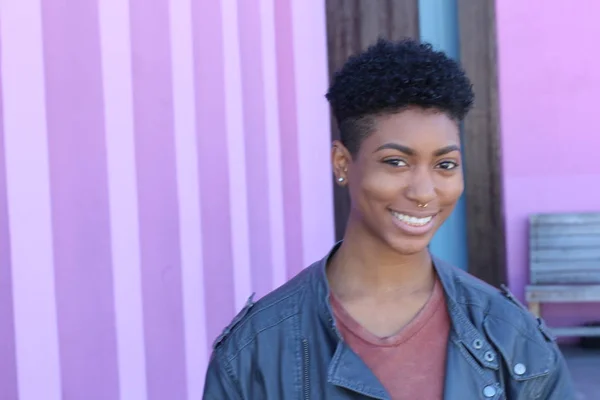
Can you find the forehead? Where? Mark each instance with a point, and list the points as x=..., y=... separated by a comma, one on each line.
x=416, y=128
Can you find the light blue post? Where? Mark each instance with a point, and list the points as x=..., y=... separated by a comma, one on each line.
x=438, y=23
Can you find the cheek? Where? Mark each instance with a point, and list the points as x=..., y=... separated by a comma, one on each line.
x=378, y=188
x=450, y=189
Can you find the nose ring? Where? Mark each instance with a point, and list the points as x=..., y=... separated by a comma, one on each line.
x=422, y=205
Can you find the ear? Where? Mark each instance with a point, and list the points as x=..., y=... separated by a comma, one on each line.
x=340, y=160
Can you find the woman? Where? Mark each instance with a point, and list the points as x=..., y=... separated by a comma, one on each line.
x=379, y=317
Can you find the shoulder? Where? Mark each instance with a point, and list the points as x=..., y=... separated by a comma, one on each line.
x=520, y=337
x=264, y=315
x=499, y=304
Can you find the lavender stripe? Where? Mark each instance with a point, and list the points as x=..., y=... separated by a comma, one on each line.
x=8, y=362
x=213, y=165
x=82, y=253
x=158, y=203
x=122, y=190
x=288, y=128
x=273, y=143
x=309, y=43
x=238, y=204
x=182, y=64
x=256, y=146
x=28, y=195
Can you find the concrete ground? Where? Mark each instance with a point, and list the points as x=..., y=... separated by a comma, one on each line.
x=585, y=369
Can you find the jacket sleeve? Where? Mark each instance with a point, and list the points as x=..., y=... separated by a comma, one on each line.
x=559, y=384
x=219, y=384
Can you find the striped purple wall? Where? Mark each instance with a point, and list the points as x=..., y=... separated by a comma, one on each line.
x=159, y=161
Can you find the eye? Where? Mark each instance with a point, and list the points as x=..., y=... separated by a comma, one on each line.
x=447, y=165
x=396, y=162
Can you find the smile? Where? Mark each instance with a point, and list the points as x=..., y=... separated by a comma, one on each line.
x=411, y=220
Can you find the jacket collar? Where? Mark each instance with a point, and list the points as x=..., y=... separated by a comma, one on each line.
x=463, y=331
x=462, y=327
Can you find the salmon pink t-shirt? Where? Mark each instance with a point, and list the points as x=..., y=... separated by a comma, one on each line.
x=411, y=365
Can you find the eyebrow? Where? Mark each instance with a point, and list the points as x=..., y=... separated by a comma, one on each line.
x=411, y=152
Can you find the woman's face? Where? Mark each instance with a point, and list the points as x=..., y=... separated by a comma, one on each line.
x=405, y=179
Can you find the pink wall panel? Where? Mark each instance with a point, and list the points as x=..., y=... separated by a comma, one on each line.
x=549, y=83
x=159, y=162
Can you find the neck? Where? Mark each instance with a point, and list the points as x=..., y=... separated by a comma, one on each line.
x=365, y=266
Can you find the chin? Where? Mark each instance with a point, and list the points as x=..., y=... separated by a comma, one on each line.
x=409, y=245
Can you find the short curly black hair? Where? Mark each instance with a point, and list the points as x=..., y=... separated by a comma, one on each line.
x=391, y=76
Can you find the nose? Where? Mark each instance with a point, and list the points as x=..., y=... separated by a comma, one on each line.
x=421, y=188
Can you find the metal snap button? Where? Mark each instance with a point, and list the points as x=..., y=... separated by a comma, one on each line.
x=489, y=356
x=478, y=344
x=519, y=369
x=489, y=391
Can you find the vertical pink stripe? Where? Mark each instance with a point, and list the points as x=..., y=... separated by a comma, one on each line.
x=123, y=197
x=234, y=122
x=213, y=165
x=313, y=130
x=273, y=142
x=172, y=174
x=80, y=215
x=289, y=137
x=184, y=105
x=158, y=203
x=8, y=362
x=28, y=193
x=257, y=174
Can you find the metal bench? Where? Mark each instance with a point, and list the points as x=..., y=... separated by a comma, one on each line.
x=564, y=259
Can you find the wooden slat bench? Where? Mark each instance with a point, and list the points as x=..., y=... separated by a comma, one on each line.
x=564, y=259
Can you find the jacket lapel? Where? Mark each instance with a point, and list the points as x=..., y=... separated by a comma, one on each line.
x=348, y=370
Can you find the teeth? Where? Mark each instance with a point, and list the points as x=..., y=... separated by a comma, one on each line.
x=411, y=220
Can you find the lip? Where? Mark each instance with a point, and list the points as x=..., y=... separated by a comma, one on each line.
x=413, y=230
x=417, y=213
